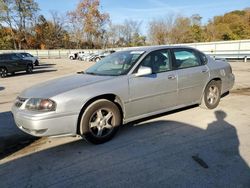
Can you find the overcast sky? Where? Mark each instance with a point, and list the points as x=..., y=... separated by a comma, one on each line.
x=146, y=10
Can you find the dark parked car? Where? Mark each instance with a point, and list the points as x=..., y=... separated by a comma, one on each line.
x=13, y=62
x=30, y=57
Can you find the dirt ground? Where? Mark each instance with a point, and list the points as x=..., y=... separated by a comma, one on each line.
x=193, y=147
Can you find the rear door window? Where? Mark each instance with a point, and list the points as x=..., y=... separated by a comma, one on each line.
x=14, y=57
x=185, y=58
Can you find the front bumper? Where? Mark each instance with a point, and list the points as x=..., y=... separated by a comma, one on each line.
x=45, y=124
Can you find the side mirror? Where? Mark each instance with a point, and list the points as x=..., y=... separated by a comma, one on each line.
x=143, y=71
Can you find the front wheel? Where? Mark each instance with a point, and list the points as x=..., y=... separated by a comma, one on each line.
x=100, y=121
x=212, y=94
x=29, y=69
x=3, y=72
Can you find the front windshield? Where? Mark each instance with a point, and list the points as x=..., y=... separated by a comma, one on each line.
x=116, y=64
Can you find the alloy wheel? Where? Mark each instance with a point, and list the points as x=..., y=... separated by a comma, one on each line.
x=101, y=123
x=3, y=72
x=213, y=95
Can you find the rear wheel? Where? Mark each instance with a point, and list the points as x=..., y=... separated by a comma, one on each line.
x=100, y=121
x=3, y=72
x=212, y=94
x=29, y=69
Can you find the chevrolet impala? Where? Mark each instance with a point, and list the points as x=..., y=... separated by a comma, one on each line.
x=121, y=88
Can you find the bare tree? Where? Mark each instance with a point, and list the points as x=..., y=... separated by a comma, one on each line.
x=159, y=30
x=181, y=32
x=89, y=19
x=126, y=34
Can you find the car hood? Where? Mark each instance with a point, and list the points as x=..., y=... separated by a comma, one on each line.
x=54, y=87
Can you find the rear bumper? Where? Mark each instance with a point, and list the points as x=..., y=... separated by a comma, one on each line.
x=47, y=124
x=231, y=81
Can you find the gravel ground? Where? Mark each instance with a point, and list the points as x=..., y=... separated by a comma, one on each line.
x=189, y=148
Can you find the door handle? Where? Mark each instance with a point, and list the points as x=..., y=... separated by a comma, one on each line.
x=171, y=77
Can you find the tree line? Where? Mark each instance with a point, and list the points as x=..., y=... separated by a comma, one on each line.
x=21, y=27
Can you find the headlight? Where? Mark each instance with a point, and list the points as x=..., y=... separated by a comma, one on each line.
x=44, y=105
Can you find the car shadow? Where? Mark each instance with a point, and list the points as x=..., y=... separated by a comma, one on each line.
x=156, y=153
x=34, y=72
x=43, y=67
x=45, y=64
x=2, y=88
x=11, y=138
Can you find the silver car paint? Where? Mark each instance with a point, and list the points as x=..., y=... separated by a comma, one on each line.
x=138, y=96
x=149, y=93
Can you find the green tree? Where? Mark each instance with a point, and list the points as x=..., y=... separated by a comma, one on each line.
x=18, y=15
x=234, y=25
x=5, y=39
x=51, y=34
x=197, y=29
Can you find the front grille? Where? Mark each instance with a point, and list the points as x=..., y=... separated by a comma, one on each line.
x=19, y=102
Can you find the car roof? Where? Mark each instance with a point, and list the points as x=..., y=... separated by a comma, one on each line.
x=9, y=53
x=153, y=48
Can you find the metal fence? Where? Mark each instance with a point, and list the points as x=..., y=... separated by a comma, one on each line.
x=238, y=49
x=50, y=54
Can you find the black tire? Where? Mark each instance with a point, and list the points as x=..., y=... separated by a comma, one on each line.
x=29, y=69
x=3, y=72
x=212, y=94
x=36, y=63
x=100, y=121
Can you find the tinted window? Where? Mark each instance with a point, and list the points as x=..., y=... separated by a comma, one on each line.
x=203, y=58
x=28, y=55
x=15, y=57
x=185, y=58
x=158, y=61
x=24, y=54
x=6, y=57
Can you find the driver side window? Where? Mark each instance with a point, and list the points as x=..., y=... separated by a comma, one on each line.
x=158, y=61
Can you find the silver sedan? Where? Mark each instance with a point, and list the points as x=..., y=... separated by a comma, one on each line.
x=121, y=88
